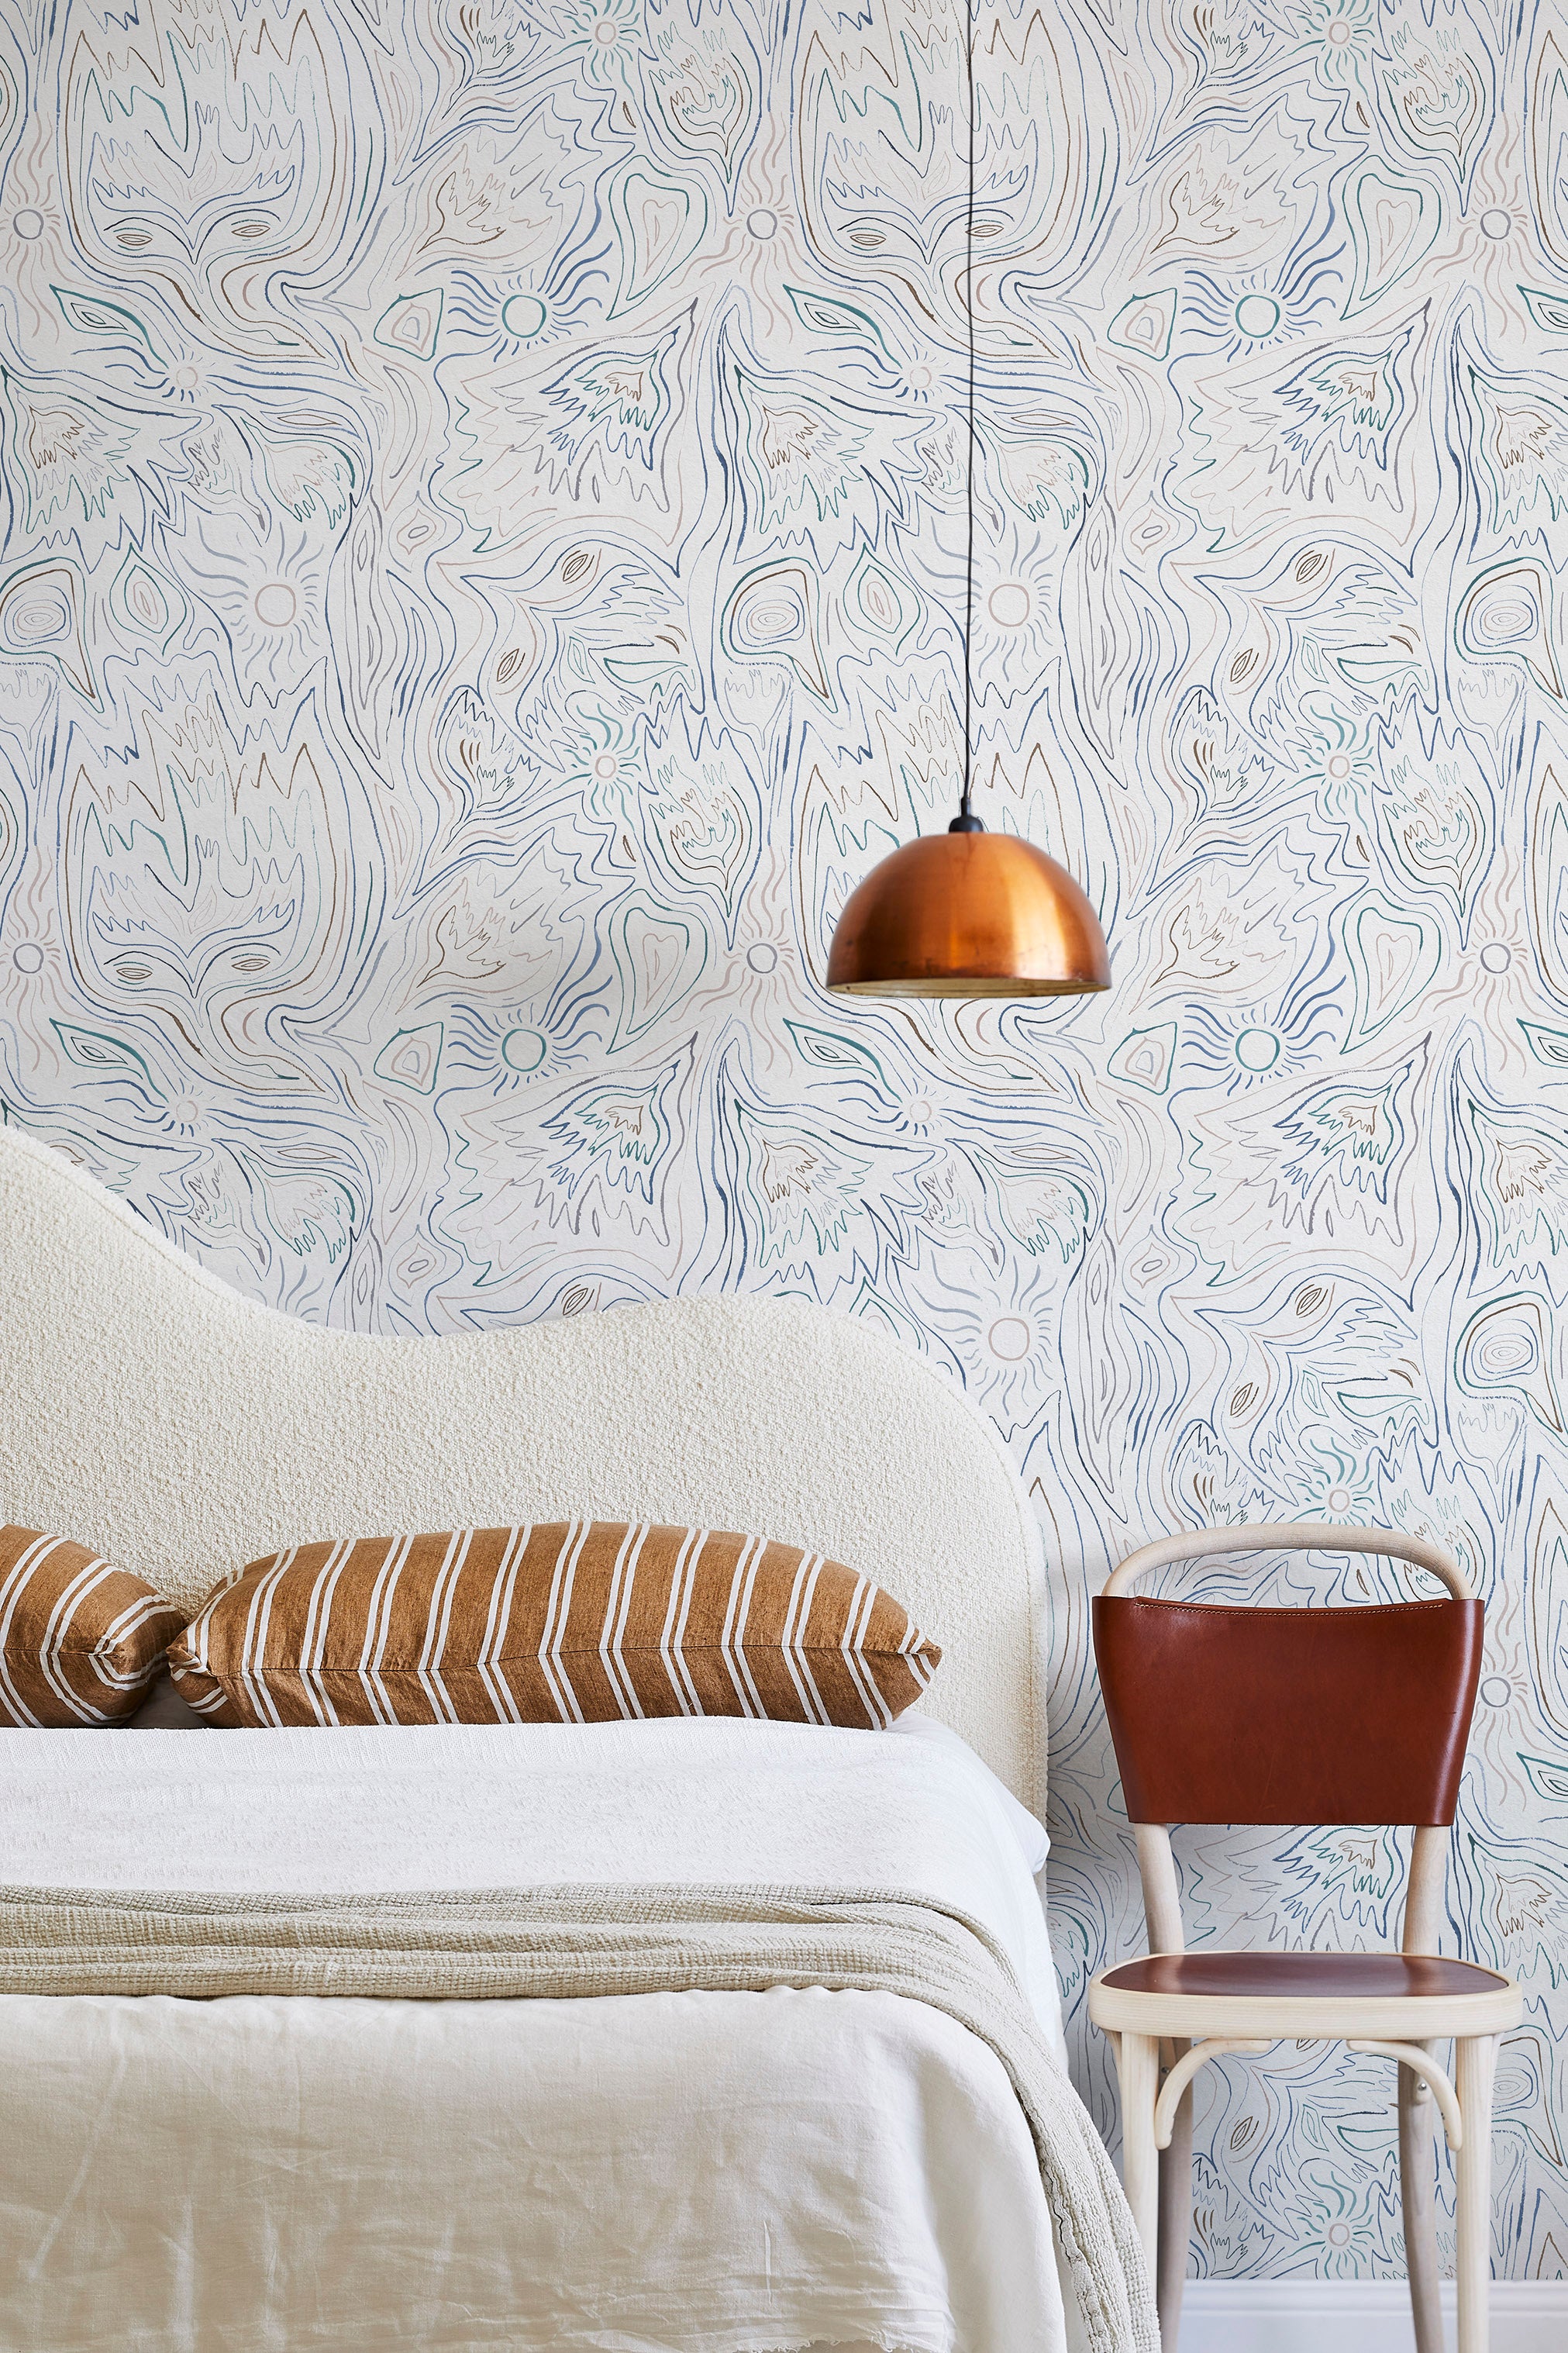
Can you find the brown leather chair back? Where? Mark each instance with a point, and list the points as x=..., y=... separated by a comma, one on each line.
x=1225, y=1714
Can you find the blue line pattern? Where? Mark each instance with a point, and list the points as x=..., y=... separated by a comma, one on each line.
x=480, y=521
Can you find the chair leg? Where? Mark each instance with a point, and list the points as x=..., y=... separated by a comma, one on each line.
x=1415, y=2118
x=1476, y=2058
x=1137, y=2065
x=1176, y=2222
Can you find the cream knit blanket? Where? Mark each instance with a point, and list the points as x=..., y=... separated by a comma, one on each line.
x=559, y=1943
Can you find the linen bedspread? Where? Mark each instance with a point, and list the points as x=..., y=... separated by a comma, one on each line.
x=562, y=1944
x=663, y=2172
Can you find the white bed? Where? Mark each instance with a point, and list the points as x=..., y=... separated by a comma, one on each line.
x=695, y=2172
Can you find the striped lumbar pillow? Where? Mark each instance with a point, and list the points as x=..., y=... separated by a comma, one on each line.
x=578, y=1622
x=80, y=1641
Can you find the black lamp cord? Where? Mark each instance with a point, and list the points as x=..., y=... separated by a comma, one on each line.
x=966, y=821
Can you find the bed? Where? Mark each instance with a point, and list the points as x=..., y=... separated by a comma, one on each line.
x=697, y=2168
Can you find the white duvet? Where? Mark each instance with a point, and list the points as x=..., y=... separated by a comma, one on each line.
x=694, y=2173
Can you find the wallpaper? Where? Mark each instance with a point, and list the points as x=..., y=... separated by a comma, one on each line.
x=481, y=537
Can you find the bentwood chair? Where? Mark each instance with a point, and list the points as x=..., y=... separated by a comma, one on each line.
x=1252, y=1716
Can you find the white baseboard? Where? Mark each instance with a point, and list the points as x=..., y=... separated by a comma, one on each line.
x=1307, y=2315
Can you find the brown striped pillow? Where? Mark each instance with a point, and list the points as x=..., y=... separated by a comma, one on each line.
x=578, y=1622
x=80, y=1641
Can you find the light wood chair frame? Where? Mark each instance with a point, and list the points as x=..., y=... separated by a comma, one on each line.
x=1158, y=2051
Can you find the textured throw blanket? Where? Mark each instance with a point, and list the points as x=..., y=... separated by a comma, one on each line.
x=559, y=1943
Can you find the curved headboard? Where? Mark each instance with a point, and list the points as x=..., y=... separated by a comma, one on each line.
x=181, y=1430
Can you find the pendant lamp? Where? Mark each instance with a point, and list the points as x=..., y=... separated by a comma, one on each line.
x=967, y=913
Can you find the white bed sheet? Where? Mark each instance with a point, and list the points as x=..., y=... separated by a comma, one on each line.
x=694, y=2173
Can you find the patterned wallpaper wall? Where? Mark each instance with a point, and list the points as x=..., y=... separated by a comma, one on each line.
x=482, y=512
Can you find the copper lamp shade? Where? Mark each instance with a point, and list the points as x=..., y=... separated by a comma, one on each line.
x=968, y=915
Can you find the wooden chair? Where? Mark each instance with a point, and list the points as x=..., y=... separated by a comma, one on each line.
x=1247, y=1715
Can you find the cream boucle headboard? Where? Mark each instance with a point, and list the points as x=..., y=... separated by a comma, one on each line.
x=180, y=1430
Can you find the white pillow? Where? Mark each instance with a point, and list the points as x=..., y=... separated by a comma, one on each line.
x=1031, y=1834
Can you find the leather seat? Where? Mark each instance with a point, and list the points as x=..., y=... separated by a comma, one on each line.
x=1282, y=1977
x=1302, y=1996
